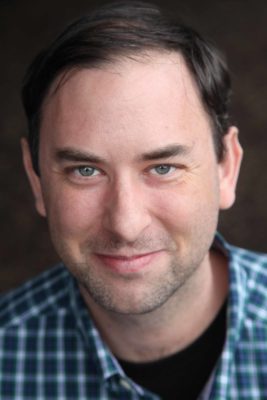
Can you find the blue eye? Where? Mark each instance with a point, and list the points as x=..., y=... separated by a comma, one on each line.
x=163, y=169
x=87, y=171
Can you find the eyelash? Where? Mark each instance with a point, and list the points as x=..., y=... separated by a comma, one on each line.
x=171, y=168
x=76, y=171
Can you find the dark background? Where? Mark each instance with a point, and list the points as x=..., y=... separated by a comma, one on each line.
x=239, y=28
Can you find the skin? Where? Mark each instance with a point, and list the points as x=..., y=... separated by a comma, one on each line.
x=131, y=188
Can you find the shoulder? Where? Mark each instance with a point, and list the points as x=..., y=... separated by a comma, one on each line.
x=43, y=295
x=254, y=264
x=248, y=270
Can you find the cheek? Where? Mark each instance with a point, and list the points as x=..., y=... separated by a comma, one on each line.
x=183, y=209
x=173, y=209
x=72, y=212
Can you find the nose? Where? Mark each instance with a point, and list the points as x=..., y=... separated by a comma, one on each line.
x=126, y=213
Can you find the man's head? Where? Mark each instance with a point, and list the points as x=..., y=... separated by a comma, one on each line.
x=128, y=29
x=130, y=179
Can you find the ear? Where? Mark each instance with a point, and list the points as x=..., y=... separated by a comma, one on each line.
x=229, y=168
x=34, y=179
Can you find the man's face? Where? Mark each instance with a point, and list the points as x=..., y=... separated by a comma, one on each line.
x=129, y=181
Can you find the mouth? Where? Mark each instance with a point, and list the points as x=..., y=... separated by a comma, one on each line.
x=127, y=264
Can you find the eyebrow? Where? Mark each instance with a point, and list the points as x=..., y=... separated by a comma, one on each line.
x=71, y=154
x=166, y=152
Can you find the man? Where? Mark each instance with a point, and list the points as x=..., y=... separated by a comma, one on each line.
x=130, y=157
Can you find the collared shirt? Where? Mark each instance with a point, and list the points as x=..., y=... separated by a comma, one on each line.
x=51, y=350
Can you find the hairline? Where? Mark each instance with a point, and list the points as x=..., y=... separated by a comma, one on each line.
x=138, y=55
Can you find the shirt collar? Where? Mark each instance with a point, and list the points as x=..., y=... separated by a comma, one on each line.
x=237, y=295
x=236, y=315
x=107, y=365
x=104, y=361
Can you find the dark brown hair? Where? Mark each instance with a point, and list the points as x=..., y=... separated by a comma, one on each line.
x=124, y=29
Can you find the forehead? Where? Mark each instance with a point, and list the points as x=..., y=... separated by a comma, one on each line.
x=144, y=94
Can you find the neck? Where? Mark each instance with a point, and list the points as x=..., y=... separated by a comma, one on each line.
x=173, y=326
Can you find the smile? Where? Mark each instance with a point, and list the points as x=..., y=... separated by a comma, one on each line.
x=128, y=264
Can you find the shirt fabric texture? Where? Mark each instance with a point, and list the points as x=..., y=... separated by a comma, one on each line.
x=51, y=350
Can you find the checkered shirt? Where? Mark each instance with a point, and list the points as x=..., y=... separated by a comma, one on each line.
x=51, y=350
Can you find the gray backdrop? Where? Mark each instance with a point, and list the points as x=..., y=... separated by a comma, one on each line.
x=239, y=27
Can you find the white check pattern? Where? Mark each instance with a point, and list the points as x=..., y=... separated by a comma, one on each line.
x=51, y=350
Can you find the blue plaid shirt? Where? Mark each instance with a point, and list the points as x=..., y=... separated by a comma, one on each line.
x=50, y=349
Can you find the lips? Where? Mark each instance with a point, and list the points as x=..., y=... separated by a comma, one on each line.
x=127, y=264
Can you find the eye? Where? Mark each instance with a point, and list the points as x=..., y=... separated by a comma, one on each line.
x=87, y=171
x=163, y=169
